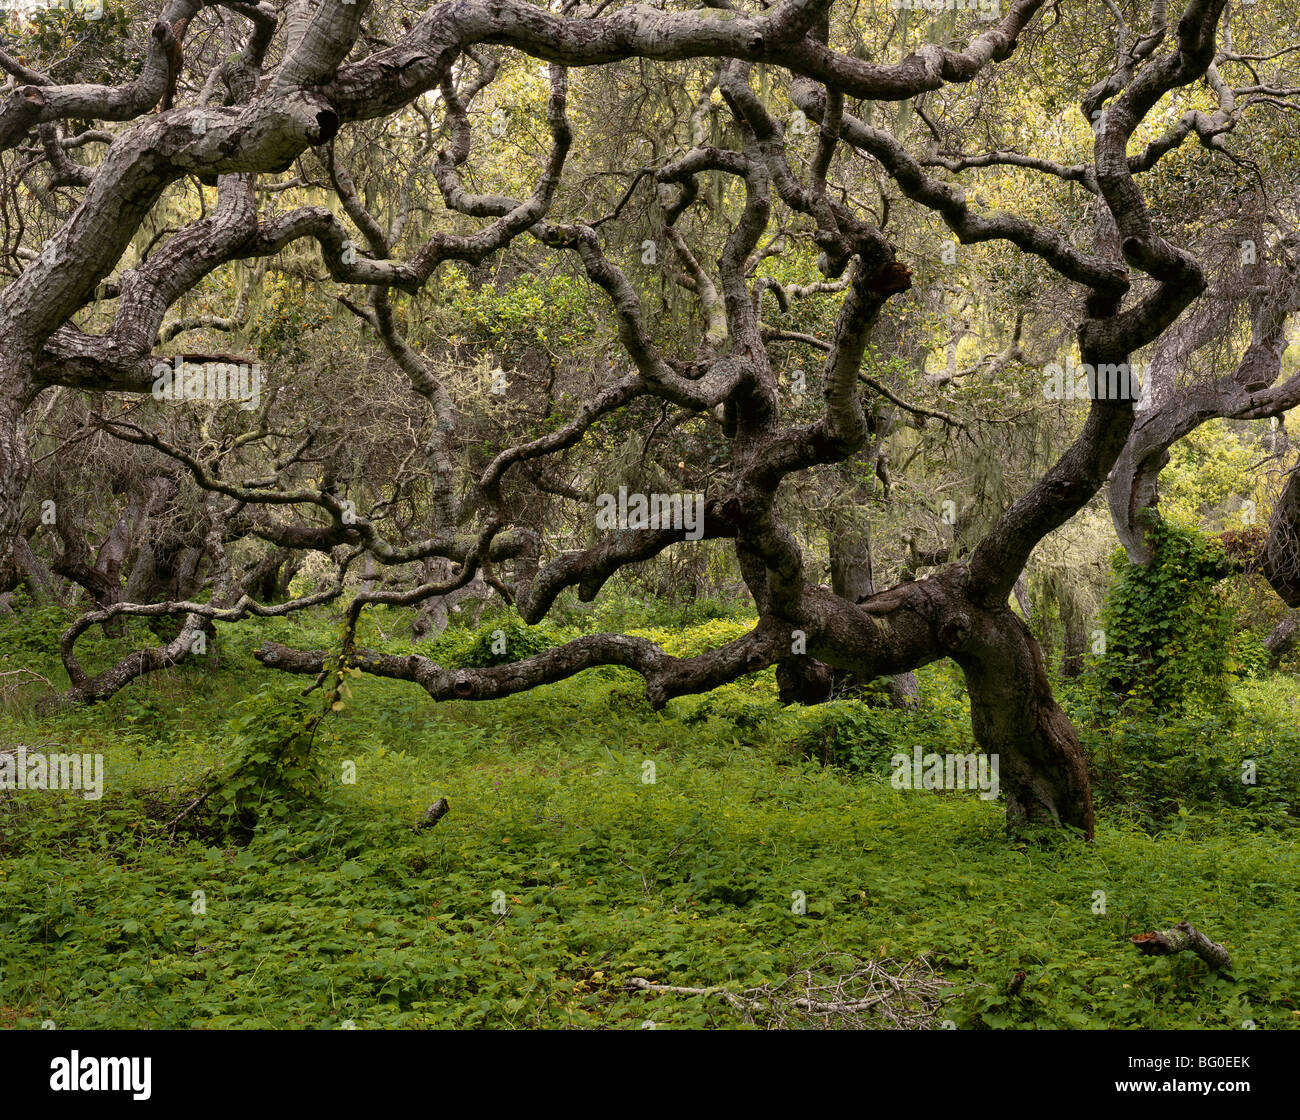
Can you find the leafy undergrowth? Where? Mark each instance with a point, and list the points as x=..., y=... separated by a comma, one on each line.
x=759, y=837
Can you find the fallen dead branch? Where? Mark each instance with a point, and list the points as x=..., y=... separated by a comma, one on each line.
x=11, y=680
x=434, y=813
x=1183, y=936
x=870, y=995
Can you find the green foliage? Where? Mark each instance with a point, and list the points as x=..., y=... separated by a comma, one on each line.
x=1211, y=471
x=1168, y=633
x=1251, y=653
x=556, y=311
x=147, y=718
x=73, y=41
x=504, y=640
x=328, y=907
x=734, y=707
x=32, y=630
x=849, y=734
x=1158, y=772
x=618, y=610
x=691, y=640
x=274, y=773
x=862, y=736
x=285, y=314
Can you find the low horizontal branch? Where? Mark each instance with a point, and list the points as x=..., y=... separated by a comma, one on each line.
x=666, y=676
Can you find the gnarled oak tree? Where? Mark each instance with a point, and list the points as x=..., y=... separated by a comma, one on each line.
x=261, y=91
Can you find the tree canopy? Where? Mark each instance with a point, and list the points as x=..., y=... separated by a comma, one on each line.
x=354, y=304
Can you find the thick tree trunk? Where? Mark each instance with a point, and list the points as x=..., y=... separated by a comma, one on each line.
x=1042, y=771
x=165, y=569
x=369, y=573
x=291, y=568
x=435, y=612
x=1041, y=767
x=851, y=573
x=904, y=690
x=803, y=680
x=15, y=468
x=267, y=580
x=1282, y=551
x=1282, y=639
x=74, y=561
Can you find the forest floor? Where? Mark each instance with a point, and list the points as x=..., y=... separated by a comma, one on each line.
x=593, y=845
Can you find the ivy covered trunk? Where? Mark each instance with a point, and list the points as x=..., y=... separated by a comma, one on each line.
x=1168, y=632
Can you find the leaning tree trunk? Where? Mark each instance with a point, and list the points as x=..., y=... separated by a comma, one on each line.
x=32, y=571
x=1283, y=638
x=1041, y=767
x=1282, y=550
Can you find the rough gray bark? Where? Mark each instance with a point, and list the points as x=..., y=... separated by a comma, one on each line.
x=1281, y=562
x=1074, y=646
x=1184, y=937
x=1282, y=639
x=15, y=468
x=1248, y=392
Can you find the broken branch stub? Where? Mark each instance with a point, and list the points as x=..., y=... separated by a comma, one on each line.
x=434, y=813
x=1183, y=936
